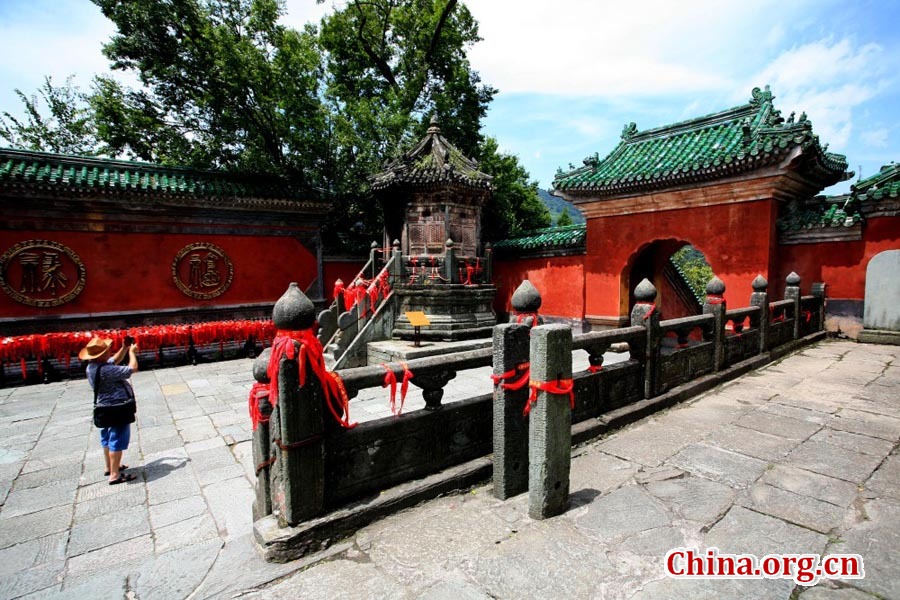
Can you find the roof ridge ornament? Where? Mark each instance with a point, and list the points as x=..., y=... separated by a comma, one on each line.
x=629, y=131
x=759, y=97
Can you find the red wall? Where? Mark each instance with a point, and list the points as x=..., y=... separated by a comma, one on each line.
x=560, y=280
x=132, y=271
x=842, y=265
x=737, y=240
x=345, y=270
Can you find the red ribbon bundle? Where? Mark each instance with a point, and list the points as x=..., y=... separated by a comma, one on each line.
x=257, y=392
x=523, y=368
x=390, y=379
x=594, y=368
x=715, y=299
x=560, y=386
x=522, y=316
x=336, y=398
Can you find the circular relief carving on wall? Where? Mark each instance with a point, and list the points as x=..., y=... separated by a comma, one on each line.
x=202, y=271
x=41, y=273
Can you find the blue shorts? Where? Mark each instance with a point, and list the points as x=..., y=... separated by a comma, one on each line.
x=116, y=438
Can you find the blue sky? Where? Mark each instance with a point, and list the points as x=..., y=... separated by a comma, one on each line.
x=572, y=73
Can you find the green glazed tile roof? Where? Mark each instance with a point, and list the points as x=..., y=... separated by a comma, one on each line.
x=884, y=184
x=821, y=211
x=740, y=139
x=433, y=161
x=76, y=174
x=568, y=236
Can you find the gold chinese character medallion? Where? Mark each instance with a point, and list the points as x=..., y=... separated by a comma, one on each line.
x=202, y=271
x=41, y=273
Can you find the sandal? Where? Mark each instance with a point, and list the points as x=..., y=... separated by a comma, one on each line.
x=122, y=468
x=123, y=477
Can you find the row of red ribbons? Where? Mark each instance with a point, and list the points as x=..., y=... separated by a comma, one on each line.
x=63, y=346
x=360, y=288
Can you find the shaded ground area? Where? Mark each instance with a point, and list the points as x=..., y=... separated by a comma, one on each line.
x=800, y=456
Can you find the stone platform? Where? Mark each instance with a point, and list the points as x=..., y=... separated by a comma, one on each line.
x=403, y=350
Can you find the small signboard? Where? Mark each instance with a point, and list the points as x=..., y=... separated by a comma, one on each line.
x=417, y=318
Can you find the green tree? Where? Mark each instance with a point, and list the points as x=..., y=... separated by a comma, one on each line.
x=389, y=66
x=225, y=86
x=564, y=219
x=515, y=207
x=694, y=268
x=69, y=128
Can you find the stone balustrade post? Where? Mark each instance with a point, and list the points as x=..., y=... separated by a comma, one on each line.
x=526, y=302
x=373, y=260
x=792, y=292
x=645, y=314
x=450, y=262
x=488, y=264
x=760, y=299
x=819, y=291
x=550, y=426
x=397, y=270
x=511, y=348
x=299, y=444
x=715, y=305
x=262, y=444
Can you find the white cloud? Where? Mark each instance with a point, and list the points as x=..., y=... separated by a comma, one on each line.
x=827, y=79
x=877, y=138
x=637, y=49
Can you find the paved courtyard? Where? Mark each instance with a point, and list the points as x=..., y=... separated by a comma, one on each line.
x=801, y=456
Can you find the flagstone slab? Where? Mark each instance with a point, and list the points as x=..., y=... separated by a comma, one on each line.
x=833, y=461
x=720, y=465
x=877, y=540
x=622, y=513
x=885, y=482
x=793, y=508
x=744, y=531
x=813, y=485
x=694, y=498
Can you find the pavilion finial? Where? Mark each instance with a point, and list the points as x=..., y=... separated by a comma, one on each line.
x=434, y=127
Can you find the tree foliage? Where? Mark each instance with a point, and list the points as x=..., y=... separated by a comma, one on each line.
x=225, y=85
x=69, y=128
x=564, y=219
x=697, y=272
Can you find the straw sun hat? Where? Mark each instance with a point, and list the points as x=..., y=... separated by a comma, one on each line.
x=96, y=348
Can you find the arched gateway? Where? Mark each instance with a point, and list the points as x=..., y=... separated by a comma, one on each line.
x=718, y=182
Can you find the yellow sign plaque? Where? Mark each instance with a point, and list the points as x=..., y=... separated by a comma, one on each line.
x=417, y=319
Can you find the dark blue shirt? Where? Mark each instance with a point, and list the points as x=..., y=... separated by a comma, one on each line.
x=114, y=385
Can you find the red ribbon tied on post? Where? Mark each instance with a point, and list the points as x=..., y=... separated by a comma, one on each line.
x=504, y=379
x=560, y=386
x=336, y=397
x=390, y=379
x=522, y=316
x=652, y=310
x=257, y=392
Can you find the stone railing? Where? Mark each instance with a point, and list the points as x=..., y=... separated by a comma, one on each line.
x=317, y=481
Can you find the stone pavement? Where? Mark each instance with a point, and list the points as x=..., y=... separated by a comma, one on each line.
x=800, y=456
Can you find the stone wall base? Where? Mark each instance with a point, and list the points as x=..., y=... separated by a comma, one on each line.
x=879, y=336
